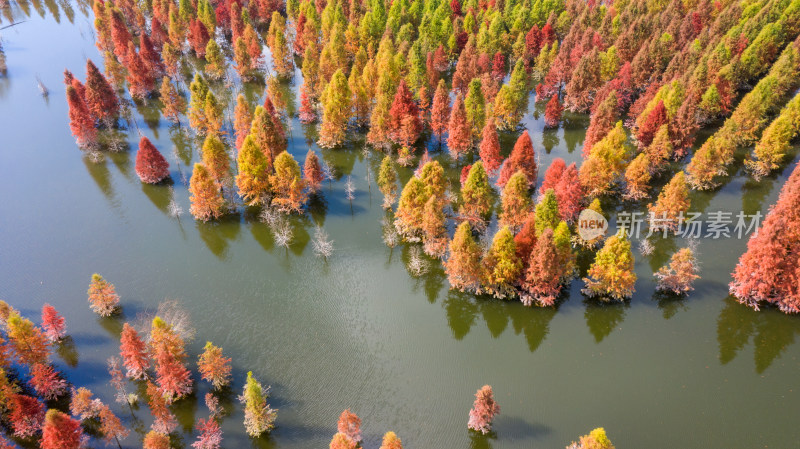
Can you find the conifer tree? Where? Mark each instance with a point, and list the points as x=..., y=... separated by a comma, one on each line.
x=342, y=441
x=214, y=115
x=288, y=187
x=173, y=378
x=198, y=38
x=637, y=177
x=522, y=158
x=463, y=266
x=336, y=111
x=111, y=427
x=27, y=415
x=475, y=106
x=53, y=323
x=387, y=182
x=552, y=112
x=258, y=416
x=81, y=122
x=241, y=56
x=671, y=205
x=515, y=201
x=611, y=276
x=390, y=439
x=243, y=118
x=206, y=199
x=173, y=101
x=405, y=125
x=307, y=114
x=214, y=367
x=47, y=382
x=678, y=276
x=197, y=102
x=312, y=171
x=155, y=440
x=134, y=353
x=103, y=298
x=151, y=167
x=489, y=149
x=459, y=131
x=216, y=161
x=605, y=164
x=349, y=424
x=215, y=61
x=501, y=264
x=141, y=81
x=772, y=149
x=542, y=282
x=252, y=179
x=164, y=421
x=602, y=121
x=547, y=212
x=440, y=110
x=655, y=118
x=100, y=96
x=61, y=432
x=477, y=194
x=267, y=131
x=483, y=410
x=410, y=210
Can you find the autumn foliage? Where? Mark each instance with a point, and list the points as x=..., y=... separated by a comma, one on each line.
x=483, y=410
x=151, y=166
x=103, y=298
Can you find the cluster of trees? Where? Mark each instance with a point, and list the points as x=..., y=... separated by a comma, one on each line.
x=769, y=271
x=42, y=407
x=348, y=435
x=462, y=71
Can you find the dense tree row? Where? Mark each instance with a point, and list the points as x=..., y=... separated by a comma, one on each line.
x=462, y=72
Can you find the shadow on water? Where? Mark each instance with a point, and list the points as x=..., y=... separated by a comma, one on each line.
x=218, y=234
x=159, y=194
x=769, y=330
x=603, y=318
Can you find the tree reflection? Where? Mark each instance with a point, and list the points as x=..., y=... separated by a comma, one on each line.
x=461, y=311
x=771, y=331
x=533, y=322
x=602, y=318
x=218, y=235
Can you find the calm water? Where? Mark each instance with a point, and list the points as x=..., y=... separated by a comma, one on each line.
x=359, y=332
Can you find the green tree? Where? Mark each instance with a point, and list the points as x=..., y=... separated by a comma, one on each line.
x=611, y=276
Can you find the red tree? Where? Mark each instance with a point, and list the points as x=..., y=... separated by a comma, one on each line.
x=553, y=174
x=164, y=421
x=53, y=324
x=459, y=133
x=404, y=123
x=552, y=112
x=213, y=367
x=312, y=171
x=525, y=240
x=350, y=425
x=46, y=381
x=150, y=56
x=27, y=415
x=100, y=96
x=490, y=148
x=499, y=67
x=483, y=410
x=81, y=122
x=120, y=35
x=522, y=158
x=151, y=166
x=545, y=271
x=210, y=434
x=569, y=193
x=140, y=80
x=533, y=43
x=306, y=113
x=769, y=271
x=440, y=111
x=61, y=432
x=134, y=353
x=198, y=38
x=654, y=120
